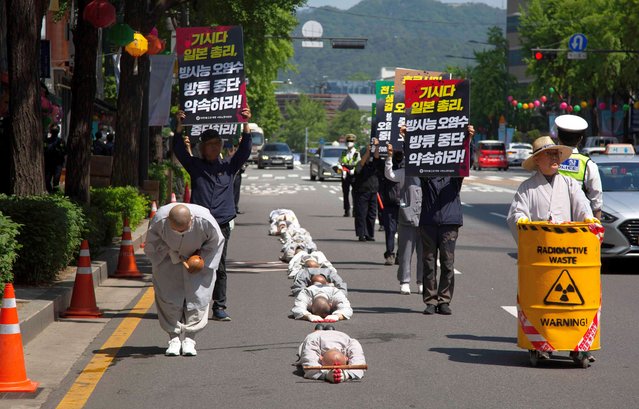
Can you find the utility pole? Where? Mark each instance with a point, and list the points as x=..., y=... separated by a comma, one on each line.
x=306, y=145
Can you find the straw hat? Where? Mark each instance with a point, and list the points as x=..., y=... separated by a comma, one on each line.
x=544, y=143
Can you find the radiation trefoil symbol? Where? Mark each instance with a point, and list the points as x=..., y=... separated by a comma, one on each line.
x=564, y=291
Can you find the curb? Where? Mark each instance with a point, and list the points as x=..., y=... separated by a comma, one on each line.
x=38, y=307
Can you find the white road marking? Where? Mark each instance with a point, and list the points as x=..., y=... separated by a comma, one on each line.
x=325, y=186
x=494, y=178
x=519, y=178
x=456, y=271
x=267, y=175
x=341, y=198
x=332, y=191
x=299, y=167
x=510, y=309
x=466, y=204
x=293, y=176
x=279, y=178
x=482, y=187
x=499, y=215
x=253, y=177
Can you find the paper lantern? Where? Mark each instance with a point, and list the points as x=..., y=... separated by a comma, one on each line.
x=563, y=106
x=544, y=99
x=156, y=45
x=510, y=98
x=525, y=106
x=154, y=31
x=577, y=108
x=138, y=46
x=584, y=104
x=551, y=90
x=537, y=103
x=569, y=108
x=121, y=34
x=100, y=13
x=626, y=107
x=614, y=108
x=602, y=106
x=514, y=102
x=636, y=105
x=519, y=105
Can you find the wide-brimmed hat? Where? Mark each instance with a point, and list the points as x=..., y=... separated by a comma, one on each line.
x=544, y=143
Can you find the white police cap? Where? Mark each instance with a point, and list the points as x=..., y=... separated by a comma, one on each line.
x=571, y=123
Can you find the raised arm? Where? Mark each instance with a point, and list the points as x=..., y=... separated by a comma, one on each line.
x=244, y=149
x=181, y=144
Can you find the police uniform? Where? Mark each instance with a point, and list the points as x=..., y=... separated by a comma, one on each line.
x=348, y=161
x=577, y=166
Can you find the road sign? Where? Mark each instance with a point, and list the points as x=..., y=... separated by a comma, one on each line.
x=577, y=42
x=576, y=56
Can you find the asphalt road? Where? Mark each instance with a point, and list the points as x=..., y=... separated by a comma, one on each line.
x=467, y=360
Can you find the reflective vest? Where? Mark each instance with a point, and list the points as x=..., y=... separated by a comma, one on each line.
x=344, y=160
x=575, y=167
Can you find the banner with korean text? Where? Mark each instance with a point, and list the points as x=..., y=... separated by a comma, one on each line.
x=211, y=74
x=438, y=114
x=384, y=97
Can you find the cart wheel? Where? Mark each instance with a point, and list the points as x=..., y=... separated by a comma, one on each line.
x=581, y=359
x=534, y=357
x=584, y=362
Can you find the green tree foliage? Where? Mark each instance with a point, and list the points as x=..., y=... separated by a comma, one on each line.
x=267, y=25
x=349, y=121
x=304, y=113
x=550, y=23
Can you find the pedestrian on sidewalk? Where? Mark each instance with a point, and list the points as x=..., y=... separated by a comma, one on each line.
x=183, y=294
x=212, y=180
x=366, y=186
x=409, y=239
x=348, y=161
x=439, y=223
x=55, y=152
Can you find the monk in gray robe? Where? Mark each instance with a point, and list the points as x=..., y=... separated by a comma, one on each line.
x=182, y=294
x=322, y=303
x=308, y=276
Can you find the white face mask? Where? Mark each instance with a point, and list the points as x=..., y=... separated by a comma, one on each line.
x=350, y=144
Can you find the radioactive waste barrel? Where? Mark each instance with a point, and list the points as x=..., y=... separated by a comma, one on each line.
x=559, y=287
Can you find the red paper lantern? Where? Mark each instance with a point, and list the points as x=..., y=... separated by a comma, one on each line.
x=156, y=45
x=100, y=13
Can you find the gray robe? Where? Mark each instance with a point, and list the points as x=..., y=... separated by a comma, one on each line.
x=336, y=297
x=303, y=279
x=318, y=342
x=538, y=200
x=183, y=298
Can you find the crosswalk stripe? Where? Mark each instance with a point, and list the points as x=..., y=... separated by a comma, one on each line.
x=510, y=309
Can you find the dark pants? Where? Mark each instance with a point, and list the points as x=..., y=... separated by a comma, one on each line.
x=219, y=290
x=440, y=239
x=52, y=177
x=237, y=186
x=366, y=206
x=389, y=220
x=347, y=184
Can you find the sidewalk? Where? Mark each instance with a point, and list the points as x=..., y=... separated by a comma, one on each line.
x=52, y=345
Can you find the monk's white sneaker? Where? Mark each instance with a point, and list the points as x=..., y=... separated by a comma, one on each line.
x=174, y=347
x=188, y=347
x=420, y=289
x=404, y=289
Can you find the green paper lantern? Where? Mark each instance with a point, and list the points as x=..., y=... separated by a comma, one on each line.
x=577, y=108
x=551, y=90
x=520, y=105
x=121, y=34
x=626, y=107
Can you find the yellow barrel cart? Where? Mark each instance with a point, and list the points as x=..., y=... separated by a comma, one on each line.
x=559, y=290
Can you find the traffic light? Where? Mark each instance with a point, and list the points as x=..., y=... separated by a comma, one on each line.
x=541, y=55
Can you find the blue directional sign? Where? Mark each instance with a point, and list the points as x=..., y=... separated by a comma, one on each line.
x=577, y=42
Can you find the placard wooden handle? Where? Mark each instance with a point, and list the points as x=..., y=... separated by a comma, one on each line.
x=359, y=366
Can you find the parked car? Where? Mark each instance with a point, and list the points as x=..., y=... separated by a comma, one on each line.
x=324, y=163
x=620, y=213
x=518, y=152
x=490, y=154
x=597, y=144
x=275, y=154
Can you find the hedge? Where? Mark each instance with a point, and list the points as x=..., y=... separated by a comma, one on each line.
x=9, y=247
x=50, y=234
x=108, y=208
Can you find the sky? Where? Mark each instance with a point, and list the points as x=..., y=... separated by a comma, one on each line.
x=346, y=4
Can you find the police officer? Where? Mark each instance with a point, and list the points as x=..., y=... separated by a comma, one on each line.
x=570, y=130
x=348, y=161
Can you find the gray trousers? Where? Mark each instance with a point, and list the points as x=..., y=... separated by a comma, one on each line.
x=409, y=241
x=439, y=239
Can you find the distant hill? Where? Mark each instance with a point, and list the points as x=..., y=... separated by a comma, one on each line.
x=406, y=33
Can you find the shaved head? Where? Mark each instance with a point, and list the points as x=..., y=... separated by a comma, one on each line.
x=180, y=218
x=318, y=279
x=333, y=357
x=321, y=306
x=311, y=263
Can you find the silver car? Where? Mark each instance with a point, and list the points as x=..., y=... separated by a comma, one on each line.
x=620, y=182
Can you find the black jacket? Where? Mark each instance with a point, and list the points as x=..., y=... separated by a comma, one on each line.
x=366, y=177
x=441, y=203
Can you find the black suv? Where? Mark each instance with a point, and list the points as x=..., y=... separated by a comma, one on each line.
x=275, y=154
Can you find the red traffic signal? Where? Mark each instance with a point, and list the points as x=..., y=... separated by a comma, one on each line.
x=539, y=55
x=544, y=55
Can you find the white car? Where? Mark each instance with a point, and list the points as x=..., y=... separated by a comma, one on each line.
x=518, y=152
x=597, y=144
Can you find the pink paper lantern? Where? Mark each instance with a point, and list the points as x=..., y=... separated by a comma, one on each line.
x=602, y=106
x=537, y=103
x=563, y=106
x=514, y=102
x=154, y=32
x=510, y=98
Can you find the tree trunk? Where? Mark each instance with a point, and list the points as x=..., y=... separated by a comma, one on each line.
x=83, y=88
x=26, y=135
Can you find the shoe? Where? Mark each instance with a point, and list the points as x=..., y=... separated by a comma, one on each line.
x=420, y=288
x=362, y=238
x=444, y=309
x=329, y=328
x=319, y=327
x=369, y=238
x=396, y=260
x=237, y=211
x=219, y=314
x=174, y=347
x=381, y=228
x=404, y=289
x=543, y=355
x=347, y=213
x=430, y=309
x=188, y=347
x=390, y=260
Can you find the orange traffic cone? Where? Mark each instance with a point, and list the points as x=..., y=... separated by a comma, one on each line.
x=154, y=209
x=83, y=298
x=173, y=199
x=187, y=194
x=127, y=267
x=13, y=375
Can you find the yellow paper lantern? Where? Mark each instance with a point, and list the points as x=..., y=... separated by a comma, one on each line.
x=636, y=105
x=138, y=46
x=584, y=104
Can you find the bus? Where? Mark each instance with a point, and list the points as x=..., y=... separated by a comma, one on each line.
x=257, y=136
